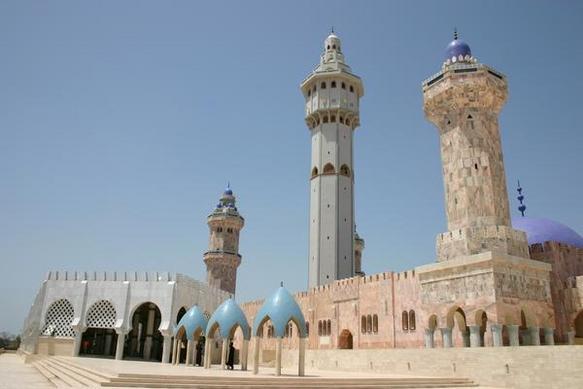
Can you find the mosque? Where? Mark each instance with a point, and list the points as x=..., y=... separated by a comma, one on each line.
x=497, y=281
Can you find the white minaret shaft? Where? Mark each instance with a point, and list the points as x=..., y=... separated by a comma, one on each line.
x=332, y=96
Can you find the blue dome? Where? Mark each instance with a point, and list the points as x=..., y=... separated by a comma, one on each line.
x=192, y=321
x=456, y=48
x=280, y=308
x=227, y=316
x=544, y=230
x=228, y=192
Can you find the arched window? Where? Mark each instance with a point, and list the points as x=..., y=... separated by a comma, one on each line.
x=333, y=84
x=329, y=169
x=320, y=328
x=308, y=328
x=101, y=315
x=329, y=328
x=363, y=324
x=375, y=324
x=345, y=170
x=314, y=172
x=343, y=86
x=58, y=319
x=309, y=93
x=412, y=320
x=290, y=329
x=351, y=88
x=405, y=321
x=328, y=47
x=333, y=119
x=325, y=119
x=323, y=85
x=368, y=324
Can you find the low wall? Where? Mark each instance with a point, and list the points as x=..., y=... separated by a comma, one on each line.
x=507, y=367
x=55, y=346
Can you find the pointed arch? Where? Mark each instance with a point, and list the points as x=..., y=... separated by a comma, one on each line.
x=345, y=170
x=314, y=172
x=329, y=169
x=58, y=319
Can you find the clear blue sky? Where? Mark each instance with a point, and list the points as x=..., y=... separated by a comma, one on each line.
x=121, y=123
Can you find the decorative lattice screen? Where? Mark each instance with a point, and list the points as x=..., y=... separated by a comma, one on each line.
x=58, y=319
x=101, y=315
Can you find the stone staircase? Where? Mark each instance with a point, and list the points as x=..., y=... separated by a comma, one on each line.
x=64, y=373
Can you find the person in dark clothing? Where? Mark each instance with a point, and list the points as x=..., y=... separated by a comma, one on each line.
x=231, y=358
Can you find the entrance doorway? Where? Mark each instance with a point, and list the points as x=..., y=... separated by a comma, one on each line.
x=345, y=340
x=99, y=342
x=145, y=341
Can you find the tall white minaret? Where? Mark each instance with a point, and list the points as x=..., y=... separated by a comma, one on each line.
x=332, y=95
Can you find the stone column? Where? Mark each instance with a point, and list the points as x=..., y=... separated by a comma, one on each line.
x=121, y=339
x=571, y=337
x=429, y=338
x=513, y=335
x=166, y=349
x=549, y=336
x=534, y=333
x=176, y=352
x=256, y=345
x=497, y=335
x=278, y=347
x=244, y=354
x=466, y=338
x=302, y=357
x=475, y=338
x=224, y=353
x=77, y=342
x=446, y=336
x=189, y=352
x=149, y=334
x=207, y=354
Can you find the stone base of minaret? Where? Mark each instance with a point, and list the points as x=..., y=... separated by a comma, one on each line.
x=475, y=240
x=494, y=284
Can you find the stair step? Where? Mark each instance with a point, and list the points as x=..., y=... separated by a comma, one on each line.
x=63, y=380
x=280, y=385
x=81, y=379
x=88, y=377
x=96, y=373
x=47, y=374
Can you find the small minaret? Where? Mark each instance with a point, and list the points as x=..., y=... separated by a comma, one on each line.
x=464, y=101
x=358, y=249
x=222, y=258
x=332, y=96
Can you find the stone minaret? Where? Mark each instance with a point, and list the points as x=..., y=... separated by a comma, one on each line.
x=222, y=258
x=332, y=96
x=358, y=248
x=464, y=101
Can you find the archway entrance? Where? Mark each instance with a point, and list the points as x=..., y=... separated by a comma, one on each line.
x=456, y=320
x=579, y=328
x=345, y=340
x=145, y=341
x=100, y=337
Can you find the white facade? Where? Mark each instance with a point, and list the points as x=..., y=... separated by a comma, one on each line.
x=69, y=303
x=332, y=95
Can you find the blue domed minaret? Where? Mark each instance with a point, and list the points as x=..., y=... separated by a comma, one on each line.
x=222, y=258
x=463, y=101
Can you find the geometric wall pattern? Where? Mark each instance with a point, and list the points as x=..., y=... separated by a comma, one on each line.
x=101, y=315
x=58, y=319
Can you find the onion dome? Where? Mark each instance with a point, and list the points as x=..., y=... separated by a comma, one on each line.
x=227, y=317
x=539, y=230
x=192, y=321
x=458, y=51
x=280, y=308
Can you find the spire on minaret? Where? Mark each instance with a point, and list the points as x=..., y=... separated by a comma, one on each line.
x=455, y=34
x=520, y=198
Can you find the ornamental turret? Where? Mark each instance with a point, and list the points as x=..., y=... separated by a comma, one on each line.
x=464, y=101
x=332, y=94
x=222, y=258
